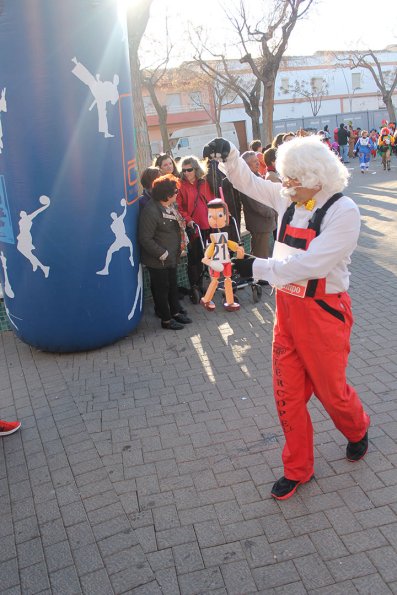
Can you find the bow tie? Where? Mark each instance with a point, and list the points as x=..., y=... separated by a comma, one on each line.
x=309, y=204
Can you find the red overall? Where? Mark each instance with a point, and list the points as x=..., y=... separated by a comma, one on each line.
x=311, y=344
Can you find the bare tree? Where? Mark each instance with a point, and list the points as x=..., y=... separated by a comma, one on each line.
x=137, y=20
x=152, y=77
x=220, y=95
x=314, y=91
x=386, y=81
x=221, y=71
x=270, y=34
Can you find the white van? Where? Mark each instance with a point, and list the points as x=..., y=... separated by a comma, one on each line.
x=191, y=141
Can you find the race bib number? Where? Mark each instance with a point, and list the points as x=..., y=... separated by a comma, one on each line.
x=221, y=251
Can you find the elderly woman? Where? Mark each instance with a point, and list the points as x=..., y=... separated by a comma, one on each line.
x=318, y=231
x=161, y=236
x=194, y=194
x=166, y=165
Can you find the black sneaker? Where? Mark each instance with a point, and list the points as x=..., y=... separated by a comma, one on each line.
x=172, y=325
x=356, y=450
x=182, y=318
x=285, y=488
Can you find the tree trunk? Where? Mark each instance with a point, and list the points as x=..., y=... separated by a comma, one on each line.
x=165, y=137
x=136, y=22
x=267, y=112
x=256, y=127
x=388, y=101
x=143, y=150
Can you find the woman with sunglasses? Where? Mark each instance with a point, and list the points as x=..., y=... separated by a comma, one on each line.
x=161, y=233
x=194, y=194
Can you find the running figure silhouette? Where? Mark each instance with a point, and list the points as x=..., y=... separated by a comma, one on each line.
x=7, y=287
x=139, y=294
x=103, y=92
x=24, y=238
x=121, y=240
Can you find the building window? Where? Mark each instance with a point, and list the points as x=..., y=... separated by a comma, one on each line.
x=195, y=99
x=317, y=84
x=148, y=105
x=174, y=102
x=284, y=87
x=356, y=80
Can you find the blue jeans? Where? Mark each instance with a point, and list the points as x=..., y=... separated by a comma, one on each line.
x=344, y=153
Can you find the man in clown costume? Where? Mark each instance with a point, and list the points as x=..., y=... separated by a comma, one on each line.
x=318, y=230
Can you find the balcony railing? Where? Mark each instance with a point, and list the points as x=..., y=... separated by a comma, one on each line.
x=175, y=109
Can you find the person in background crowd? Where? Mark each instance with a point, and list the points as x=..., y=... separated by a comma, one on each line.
x=353, y=138
x=318, y=232
x=288, y=136
x=260, y=220
x=161, y=233
x=272, y=175
x=363, y=147
x=270, y=160
x=373, y=135
x=232, y=198
x=385, y=144
x=278, y=140
x=327, y=132
x=194, y=194
x=256, y=145
x=324, y=138
x=8, y=427
x=147, y=178
x=393, y=132
x=343, y=142
x=166, y=165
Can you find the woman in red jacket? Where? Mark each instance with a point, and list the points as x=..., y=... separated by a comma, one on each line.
x=194, y=193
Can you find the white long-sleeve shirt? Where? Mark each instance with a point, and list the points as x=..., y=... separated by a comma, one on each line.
x=328, y=255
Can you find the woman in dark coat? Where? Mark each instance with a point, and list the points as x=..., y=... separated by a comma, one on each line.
x=161, y=233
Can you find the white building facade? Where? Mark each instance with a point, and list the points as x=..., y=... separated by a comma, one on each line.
x=311, y=91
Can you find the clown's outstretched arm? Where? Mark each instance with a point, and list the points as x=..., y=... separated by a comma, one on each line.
x=242, y=178
x=334, y=245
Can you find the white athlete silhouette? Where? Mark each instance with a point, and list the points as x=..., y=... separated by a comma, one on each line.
x=139, y=292
x=25, y=242
x=3, y=108
x=7, y=287
x=121, y=241
x=103, y=92
x=11, y=316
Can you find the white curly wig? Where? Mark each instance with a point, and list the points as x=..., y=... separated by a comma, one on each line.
x=311, y=162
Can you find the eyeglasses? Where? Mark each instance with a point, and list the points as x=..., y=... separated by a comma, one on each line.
x=189, y=169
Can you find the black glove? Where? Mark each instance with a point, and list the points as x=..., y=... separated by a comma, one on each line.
x=218, y=147
x=243, y=266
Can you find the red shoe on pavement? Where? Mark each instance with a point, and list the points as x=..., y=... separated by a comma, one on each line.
x=8, y=427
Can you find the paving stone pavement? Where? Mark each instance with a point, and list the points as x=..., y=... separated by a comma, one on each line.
x=145, y=467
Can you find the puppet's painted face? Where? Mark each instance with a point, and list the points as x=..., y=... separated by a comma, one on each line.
x=217, y=218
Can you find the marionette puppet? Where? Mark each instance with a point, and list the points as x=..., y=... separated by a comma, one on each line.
x=217, y=256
